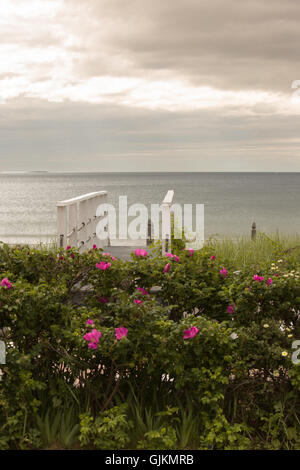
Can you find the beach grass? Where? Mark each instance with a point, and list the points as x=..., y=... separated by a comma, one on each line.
x=238, y=253
x=243, y=252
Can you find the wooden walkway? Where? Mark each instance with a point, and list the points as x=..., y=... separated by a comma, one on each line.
x=122, y=249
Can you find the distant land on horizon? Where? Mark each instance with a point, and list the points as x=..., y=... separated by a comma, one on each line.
x=25, y=172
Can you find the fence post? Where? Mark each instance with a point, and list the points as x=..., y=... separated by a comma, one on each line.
x=149, y=234
x=62, y=226
x=73, y=223
x=166, y=228
x=167, y=243
x=253, y=231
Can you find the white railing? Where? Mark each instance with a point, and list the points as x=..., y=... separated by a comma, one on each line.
x=166, y=225
x=77, y=221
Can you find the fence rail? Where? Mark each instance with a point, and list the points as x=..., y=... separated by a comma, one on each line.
x=77, y=221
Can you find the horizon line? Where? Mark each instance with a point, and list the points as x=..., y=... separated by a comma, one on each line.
x=137, y=172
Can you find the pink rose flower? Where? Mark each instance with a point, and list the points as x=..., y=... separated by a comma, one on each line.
x=213, y=257
x=5, y=283
x=106, y=254
x=68, y=247
x=140, y=253
x=190, y=333
x=143, y=291
x=89, y=322
x=95, y=247
x=137, y=301
x=103, y=265
x=93, y=338
x=103, y=300
x=174, y=257
x=191, y=251
x=167, y=268
x=121, y=332
x=231, y=308
x=258, y=278
x=223, y=272
x=269, y=281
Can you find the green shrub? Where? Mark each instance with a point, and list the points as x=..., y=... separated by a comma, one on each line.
x=109, y=430
x=231, y=385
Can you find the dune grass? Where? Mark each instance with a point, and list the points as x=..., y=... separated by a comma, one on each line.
x=238, y=253
x=265, y=249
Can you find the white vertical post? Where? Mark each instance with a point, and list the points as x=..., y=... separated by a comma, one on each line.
x=82, y=235
x=102, y=200
x=62, y=226
x=199, y=226
x=94, y=205
x=166, y=222
x=73, y=225
x=89, y=223
x=166, y=228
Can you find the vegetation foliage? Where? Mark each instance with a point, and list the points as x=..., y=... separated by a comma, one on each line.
x=205, y=363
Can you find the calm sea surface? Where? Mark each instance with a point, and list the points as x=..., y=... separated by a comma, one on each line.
x=232, y=200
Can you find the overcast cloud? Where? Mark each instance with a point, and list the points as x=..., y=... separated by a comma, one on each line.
x=134, y=85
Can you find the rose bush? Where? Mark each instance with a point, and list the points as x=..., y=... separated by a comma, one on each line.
x=204, y=363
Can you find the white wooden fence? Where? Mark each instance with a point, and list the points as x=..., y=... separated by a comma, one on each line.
x=77, y=221
x=166, y=221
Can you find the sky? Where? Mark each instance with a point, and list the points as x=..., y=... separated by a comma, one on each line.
x=139, y=85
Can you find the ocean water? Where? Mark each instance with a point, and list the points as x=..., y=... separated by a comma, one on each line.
x=232, y=200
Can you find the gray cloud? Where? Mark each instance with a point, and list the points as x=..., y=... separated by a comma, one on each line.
x=82, y=137
x=228, y=44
